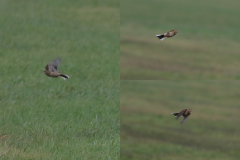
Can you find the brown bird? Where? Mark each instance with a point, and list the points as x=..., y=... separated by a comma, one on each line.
x=185, y=113
x=52, y=71
x=168, y=34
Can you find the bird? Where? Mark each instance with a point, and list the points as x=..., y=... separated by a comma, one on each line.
x=168, y=34
x=185, y=113
x=52, y=69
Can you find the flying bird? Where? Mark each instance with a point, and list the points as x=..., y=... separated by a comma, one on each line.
x=52, y=71
x=185, y=113
x=168, y=34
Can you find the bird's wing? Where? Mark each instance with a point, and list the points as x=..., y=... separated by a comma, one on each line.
x=180, y=113
x=54, y=65
x=56, y=62
x=171, y=33
x=52, y=68
x=184, y=119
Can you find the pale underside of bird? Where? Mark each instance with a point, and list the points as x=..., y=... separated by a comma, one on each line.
x=167, y=34
x=185, y=113
x=52, y=69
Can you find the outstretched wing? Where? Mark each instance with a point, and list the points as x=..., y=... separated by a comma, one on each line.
x=54, y=64
x=184, y=119
x=180, y=113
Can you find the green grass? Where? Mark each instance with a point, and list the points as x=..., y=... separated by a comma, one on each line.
x=149, y=131
x=206, y=48
x=47, y=118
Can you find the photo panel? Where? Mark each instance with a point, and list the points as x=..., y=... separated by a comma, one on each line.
x=59, y=85
x=206, y=46
x=152, y=114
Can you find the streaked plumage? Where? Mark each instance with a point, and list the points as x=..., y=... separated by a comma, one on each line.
x=52, y=71
x=168, y=34
x=185, y=113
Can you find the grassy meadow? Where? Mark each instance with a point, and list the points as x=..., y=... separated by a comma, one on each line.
x=149, y=131
x=49, y=118
x=206, y=48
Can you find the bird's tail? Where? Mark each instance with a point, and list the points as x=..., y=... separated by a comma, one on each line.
x=160, y=36
x=64, y=76
x=175, y=114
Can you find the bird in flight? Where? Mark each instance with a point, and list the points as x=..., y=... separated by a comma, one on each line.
x=52, y=71
x=185, y=113
x=168, y=34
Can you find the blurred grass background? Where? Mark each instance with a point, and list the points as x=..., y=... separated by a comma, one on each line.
x=207, y=46
x=149, y=131
x=46, y=118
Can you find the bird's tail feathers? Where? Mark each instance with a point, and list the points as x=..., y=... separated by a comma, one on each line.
x=175, y=114
x=64, y=76
x=160, y=36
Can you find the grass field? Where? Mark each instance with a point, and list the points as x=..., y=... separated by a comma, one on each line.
x=149, y=131
x=46, y=118
x=206, y=48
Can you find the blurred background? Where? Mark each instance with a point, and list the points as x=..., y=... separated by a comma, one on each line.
x=149, y=131
x=49, y=118
x=207, y=46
